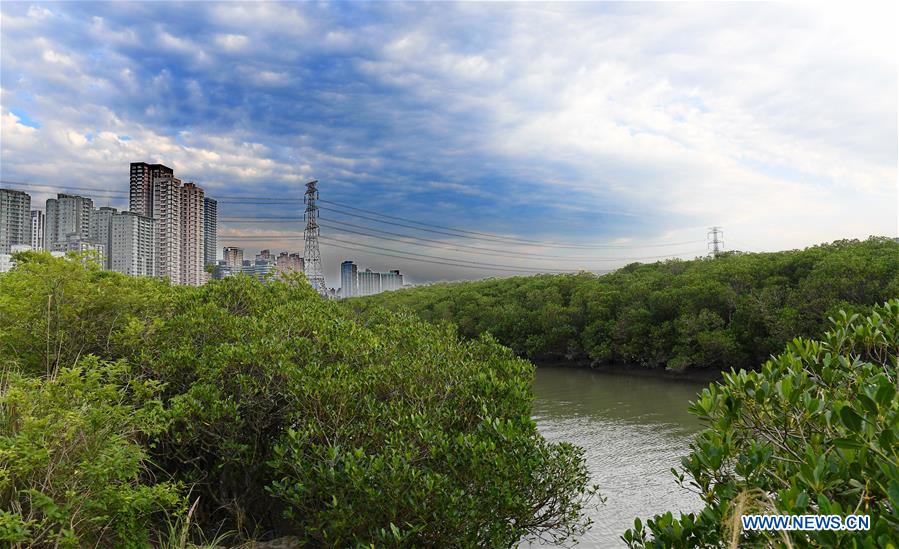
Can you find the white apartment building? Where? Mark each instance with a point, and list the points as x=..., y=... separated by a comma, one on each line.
x=101, y=226
x=68, y=219
x=133, y=244
x=15, y=220
x=37, y=229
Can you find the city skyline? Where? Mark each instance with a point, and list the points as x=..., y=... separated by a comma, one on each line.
x=615, y=124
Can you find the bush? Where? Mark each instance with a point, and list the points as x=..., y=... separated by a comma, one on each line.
x=285, y=415
x=815, y=431
x=73, y=470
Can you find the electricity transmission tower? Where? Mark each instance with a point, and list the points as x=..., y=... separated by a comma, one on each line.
x=312, y=258
x=716, y=240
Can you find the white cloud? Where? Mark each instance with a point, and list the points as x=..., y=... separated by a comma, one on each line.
x=231, y=42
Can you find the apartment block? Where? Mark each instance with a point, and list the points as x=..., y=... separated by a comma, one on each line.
x=141, y=188
x=37, y=229
x=210, y=230
x=15, y=219
x=133, y=244
x=68, y=219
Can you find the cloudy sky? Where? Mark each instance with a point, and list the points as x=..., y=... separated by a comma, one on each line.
x=554, y=136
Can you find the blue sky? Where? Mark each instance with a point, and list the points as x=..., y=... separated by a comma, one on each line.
x=635, y=125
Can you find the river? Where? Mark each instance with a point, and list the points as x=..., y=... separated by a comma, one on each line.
x=634, y=429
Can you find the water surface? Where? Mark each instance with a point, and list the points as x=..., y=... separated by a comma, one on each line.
x=633, y=429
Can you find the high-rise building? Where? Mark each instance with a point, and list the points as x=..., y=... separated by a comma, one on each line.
x=68, y=219
x=233, y=258
x=133, y=247
x=210, y=231
x=289, y=263
x=392, y=280
x=37, y=230
x=296, y=262
x=193, y=270
x=368, y=282
x=141, y=190
x=266, y=255
x=166, y=201
x=15, y=219
x=101, y=230
x=348, y=278
x=178, y=211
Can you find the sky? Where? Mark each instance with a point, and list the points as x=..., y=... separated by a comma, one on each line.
x=559, y=136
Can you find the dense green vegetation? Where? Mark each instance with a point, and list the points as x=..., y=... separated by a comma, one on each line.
x=133, y=413
x=733, y=311
x=815, y=431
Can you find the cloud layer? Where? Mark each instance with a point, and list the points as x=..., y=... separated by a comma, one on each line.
x=623, y=124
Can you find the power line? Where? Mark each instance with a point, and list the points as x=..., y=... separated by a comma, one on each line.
x=458, y=233
x=332, y=239
x=444, y=244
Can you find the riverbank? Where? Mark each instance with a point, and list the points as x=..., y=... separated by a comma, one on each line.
x=704, y=375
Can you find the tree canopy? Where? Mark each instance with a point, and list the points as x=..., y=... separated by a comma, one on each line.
x=732, y=311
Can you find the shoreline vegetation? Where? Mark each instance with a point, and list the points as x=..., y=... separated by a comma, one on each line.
x=135, y=413
x=690, y=316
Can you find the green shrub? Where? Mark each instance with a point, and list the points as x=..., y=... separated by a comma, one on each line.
x=73, y=470
x=284, y=414
x=815, y=431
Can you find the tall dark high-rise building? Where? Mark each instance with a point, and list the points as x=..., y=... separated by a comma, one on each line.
x=210, y=230
x=141, y=191
x=348, y=276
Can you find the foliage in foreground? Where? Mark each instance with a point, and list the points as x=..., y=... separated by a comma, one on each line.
x=733, y=311
x=71, y=459
x=266, y=410
x=815, y=431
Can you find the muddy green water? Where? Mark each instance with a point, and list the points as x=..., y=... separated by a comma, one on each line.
x=633, y=429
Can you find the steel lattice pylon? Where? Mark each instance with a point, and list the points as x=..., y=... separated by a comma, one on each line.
x=312, y=258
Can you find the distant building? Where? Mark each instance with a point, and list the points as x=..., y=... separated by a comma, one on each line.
x=265, y=255
x=132, y=244
x=259, y=268
x=101, y=229
x=368, y=282
x=79, y=245
x=289, y=263
x=166, y=209
x=392, y=280
x=233, y=258
x=181, y=222
x=223, y=270
x=6, y=261
x=37, y=229
x=68, y=220
x=15, y=219
x=193, y=271
x=210, y=230
x=141, y=190
x=348, y=279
